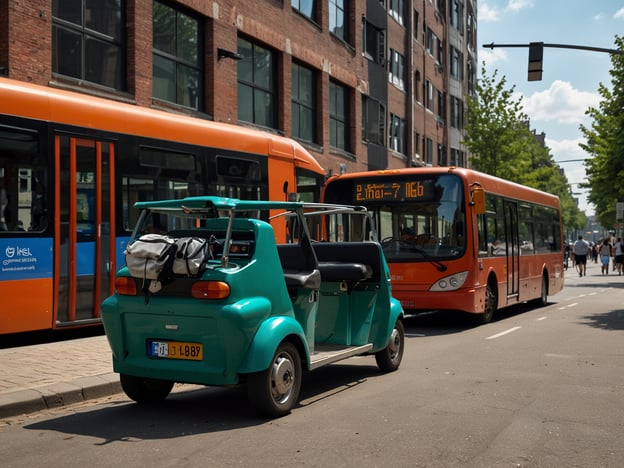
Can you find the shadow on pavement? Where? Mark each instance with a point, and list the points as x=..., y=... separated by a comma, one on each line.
x=613, y=320
x=200, y=411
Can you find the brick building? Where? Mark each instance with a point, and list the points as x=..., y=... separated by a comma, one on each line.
x=362, y=84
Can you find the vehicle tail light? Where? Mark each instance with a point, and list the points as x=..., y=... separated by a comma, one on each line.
x=125, y=286
x=210, y=290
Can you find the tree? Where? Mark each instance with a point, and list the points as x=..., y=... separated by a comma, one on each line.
x=494, y=123
x=605, y=144
x=502, y=144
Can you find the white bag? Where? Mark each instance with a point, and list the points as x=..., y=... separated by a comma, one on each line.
x=190, y=257
x=149, y=255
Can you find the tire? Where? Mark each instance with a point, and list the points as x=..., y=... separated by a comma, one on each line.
x=275, y=391
x=389, y=358
x=491, y=302
x=543, y=299
x=144, y=390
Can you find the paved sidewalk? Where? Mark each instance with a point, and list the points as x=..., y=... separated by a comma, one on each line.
x=49, y=375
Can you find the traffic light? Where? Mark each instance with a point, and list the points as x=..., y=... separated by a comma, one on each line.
x=536, y=51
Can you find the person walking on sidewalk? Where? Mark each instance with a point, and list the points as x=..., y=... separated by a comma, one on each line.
x=606, y=252
x=619, y=255
x=581, y=249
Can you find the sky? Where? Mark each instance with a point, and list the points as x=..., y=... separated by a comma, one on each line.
x=555, y=105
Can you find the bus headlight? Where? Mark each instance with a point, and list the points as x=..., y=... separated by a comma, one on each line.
x=450, y=283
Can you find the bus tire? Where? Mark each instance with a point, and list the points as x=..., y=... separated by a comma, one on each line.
x=144, y=390
x=275, y=391
x=543, y=299
x=389, y=358
x=491, y=302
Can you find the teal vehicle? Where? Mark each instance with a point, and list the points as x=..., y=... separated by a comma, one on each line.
x=209, y=297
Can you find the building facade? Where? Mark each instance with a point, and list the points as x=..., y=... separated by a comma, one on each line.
x=362, y=84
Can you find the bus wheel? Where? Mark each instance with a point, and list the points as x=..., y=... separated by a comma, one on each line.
x=275, y=391
x=389, y=358
x=543, y=299
x=491, y=301
x=144, y=390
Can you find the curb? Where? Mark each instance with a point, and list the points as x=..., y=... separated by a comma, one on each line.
x=58, y=394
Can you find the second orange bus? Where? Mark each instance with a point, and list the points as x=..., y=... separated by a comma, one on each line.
x=457, y=239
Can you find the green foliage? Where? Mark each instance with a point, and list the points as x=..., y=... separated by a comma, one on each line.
x=502, y=144
x=604, y=141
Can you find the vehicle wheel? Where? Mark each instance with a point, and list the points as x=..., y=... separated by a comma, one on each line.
x=275, y=391
x=543, y=299
x=389, y=358
x=144, y=390
x=491, y=302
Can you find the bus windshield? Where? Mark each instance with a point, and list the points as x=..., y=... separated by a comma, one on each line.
x=419, y=218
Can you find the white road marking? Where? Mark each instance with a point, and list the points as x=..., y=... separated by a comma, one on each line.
x=542, y=318
x=503, y=333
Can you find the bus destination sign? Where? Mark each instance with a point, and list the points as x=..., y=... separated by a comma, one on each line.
x=392, y=191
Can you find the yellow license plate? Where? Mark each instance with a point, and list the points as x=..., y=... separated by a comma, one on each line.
x=176, y=350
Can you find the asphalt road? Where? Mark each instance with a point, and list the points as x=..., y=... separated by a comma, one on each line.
x=535, y=388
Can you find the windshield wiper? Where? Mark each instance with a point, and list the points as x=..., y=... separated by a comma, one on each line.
x=439, y=266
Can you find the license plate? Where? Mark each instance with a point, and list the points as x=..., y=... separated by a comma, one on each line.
x=176, y=350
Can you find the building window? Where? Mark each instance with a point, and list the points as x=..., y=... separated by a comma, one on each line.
x=397, y=69
x=430, y=41
x=339, y=116
x=397, y=134
x=415, y=27
x=429, y=152
x=429, y=91
x=457, y=64
x=397, y=10
x=303, y=103
x=440, y=6
x=457, y=113
x=305, y=7
x=470, y=75
x=440, y=54
x=456, y=14
x=441, y=155
x=257, y=93
x=441, y=115
x=88, y=41
x=338, y=16
x=374, y=43
x=417, y=85
x=471, y=29
x=457, y=158
x=177, y=67
x=373, y=121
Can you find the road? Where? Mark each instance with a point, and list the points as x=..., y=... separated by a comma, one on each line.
x=535, y=388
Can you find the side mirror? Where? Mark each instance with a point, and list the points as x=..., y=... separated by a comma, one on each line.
x=477, y=199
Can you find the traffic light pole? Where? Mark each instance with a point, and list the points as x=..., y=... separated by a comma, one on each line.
x=536, y=50
x=491, y=45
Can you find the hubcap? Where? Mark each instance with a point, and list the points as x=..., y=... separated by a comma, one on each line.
x=395, y=343
x=283, y=377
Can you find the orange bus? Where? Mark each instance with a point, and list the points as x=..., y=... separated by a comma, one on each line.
x=71, y=168
x=457, y=239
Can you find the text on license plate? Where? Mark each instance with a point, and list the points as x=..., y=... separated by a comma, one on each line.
x=176, y=350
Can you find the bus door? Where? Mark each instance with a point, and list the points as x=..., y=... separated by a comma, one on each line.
x=513, y=248
x=84, y=228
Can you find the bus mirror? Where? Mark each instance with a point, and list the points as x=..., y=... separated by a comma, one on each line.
x=478, y=199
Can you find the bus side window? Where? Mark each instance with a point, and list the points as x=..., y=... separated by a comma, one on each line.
x=482, y=236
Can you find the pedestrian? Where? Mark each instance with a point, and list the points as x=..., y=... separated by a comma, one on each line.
x=581, y=249
x=606, y=251
x=619, y=255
